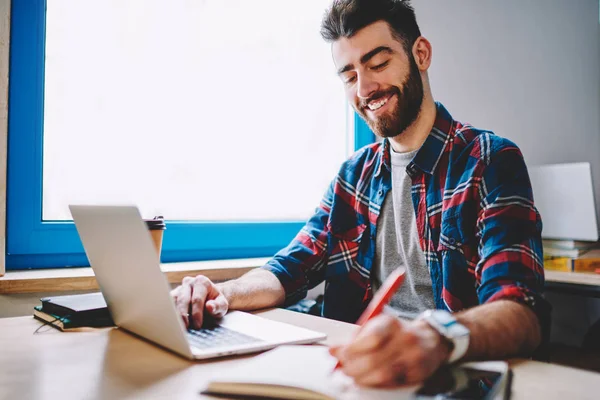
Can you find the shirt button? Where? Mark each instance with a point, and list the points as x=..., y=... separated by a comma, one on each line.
x=380, y=192
x=452, y=241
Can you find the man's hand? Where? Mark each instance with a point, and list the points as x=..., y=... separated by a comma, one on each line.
x=194, y=296
x=388, y=352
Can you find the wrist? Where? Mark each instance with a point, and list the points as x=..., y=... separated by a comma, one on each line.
x=451, y=330
x=226, y=288
x=442, y=347
x=445, y=346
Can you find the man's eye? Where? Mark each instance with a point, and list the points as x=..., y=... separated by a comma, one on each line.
x=380, y=66
x=350, y=80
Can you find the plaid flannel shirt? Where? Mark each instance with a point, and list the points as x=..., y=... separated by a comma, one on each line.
x=477, y=225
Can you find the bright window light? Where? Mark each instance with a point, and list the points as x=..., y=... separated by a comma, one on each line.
x=196, y=110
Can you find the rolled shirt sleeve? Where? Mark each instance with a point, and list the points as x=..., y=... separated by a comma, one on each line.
x=300, y=266
x=509, y=227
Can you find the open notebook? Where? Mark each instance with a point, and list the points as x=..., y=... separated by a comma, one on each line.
x=298, y=372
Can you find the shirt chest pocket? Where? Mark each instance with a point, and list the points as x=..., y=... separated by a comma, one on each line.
x=457, y=231
x=345, y=251
x=457, y=246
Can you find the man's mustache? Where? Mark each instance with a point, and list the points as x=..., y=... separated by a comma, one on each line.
x=379, y=95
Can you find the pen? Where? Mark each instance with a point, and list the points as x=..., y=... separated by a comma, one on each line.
x=381, y=298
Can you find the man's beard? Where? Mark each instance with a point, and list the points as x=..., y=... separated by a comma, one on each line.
x=407, y=109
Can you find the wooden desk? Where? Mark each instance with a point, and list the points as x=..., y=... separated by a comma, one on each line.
x=578, y=283
x=111, y=364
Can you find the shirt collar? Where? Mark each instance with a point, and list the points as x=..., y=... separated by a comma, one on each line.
x=433, y=148
x=384, y=158
x=431, y=151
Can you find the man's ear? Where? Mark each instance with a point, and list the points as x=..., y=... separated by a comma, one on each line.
x=422, y=53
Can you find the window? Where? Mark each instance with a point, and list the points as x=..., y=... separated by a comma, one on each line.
x=230, y=126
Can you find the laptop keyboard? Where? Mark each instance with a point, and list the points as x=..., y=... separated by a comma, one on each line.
x=218, y=336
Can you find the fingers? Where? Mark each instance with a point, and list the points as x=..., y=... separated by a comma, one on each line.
x=195, y=295
x=335, y=350
x=218, y=306
x=369, y=357
x=387, y=352
x=200, y=290
x=385, y=375
x=422, y=365
x=373, y=335
x=182, y=295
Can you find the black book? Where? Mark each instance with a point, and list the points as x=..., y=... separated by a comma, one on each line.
x=69, y=323
x=80, y=306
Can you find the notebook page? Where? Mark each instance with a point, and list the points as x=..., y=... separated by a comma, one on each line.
x=307, y=367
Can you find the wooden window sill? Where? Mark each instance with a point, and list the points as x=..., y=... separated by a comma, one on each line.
x=71, y=279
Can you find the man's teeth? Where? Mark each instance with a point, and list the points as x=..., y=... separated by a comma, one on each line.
x=377, y=104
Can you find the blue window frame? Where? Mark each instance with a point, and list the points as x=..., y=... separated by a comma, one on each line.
x=36, y=243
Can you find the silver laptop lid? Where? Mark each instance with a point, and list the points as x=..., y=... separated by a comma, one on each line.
x=127, y=268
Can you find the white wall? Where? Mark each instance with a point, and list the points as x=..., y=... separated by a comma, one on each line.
x=529, y=70
x=526, y=69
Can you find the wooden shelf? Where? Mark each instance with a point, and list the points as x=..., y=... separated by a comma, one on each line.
x=573, y=283
x=578, y=278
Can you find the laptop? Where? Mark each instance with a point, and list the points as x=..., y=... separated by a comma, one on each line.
x=127, y=268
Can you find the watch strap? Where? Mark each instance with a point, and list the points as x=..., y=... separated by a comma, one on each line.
x=448, y=326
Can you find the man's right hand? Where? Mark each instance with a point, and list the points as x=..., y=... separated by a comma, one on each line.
x=194, y=296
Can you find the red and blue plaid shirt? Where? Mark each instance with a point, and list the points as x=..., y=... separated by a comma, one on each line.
x=477, y=224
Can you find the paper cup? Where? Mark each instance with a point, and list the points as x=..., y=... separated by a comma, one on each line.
x=157, y=227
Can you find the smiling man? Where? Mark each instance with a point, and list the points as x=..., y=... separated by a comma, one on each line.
x=449, y=203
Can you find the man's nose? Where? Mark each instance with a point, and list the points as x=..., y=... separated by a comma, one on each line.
x=366, y=87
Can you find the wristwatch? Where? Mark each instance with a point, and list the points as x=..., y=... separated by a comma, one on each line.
x=445, y=323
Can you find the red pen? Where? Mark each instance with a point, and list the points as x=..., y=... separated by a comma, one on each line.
x=381, y=298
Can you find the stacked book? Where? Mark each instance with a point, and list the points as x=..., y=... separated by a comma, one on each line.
x=74, y=311
x=571, y=255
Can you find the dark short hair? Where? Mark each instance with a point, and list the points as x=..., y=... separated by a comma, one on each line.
x=346, y=17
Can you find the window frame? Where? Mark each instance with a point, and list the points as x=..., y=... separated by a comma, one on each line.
x=35, y=243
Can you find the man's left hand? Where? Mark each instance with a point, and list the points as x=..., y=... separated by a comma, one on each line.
x=388, y=352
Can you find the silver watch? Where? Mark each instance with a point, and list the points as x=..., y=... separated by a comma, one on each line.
x=445, y=323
